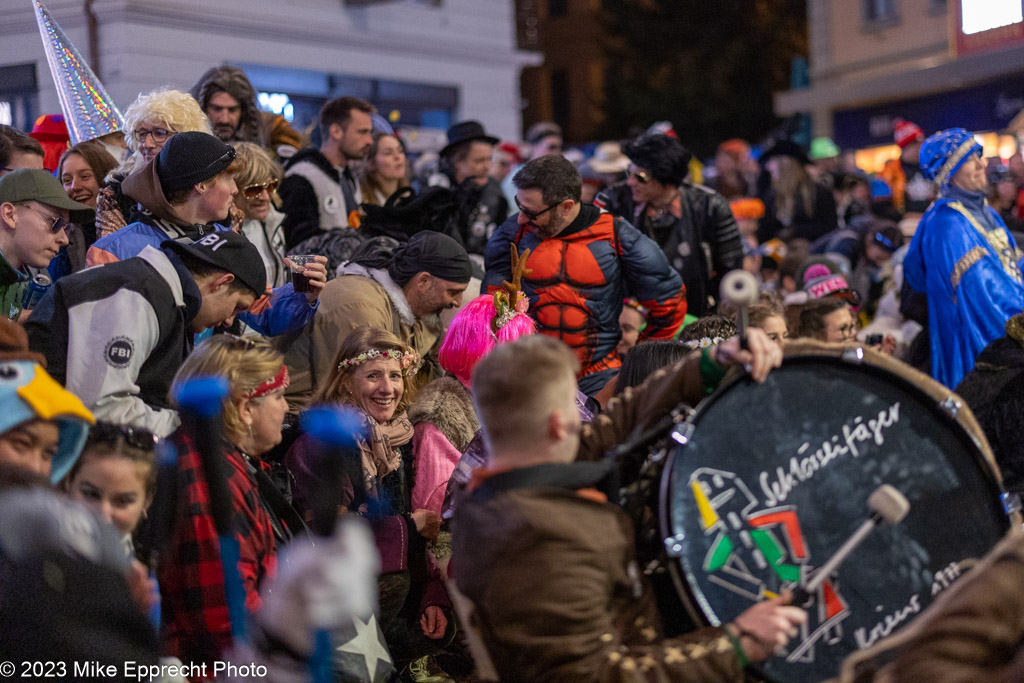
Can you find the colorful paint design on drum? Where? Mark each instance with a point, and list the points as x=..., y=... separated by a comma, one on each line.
x=773, y=478
x=768, y=539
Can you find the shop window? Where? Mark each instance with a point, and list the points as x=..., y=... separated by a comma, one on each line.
x=880, y=13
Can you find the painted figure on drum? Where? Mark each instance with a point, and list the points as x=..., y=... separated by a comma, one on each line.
x=758, y=552
x=963, y=257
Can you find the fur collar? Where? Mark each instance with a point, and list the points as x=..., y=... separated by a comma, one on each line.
x=447, y=405
x=381, y=277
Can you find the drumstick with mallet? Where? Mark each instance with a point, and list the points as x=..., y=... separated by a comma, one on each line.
x=740, y=289
x=886, y=504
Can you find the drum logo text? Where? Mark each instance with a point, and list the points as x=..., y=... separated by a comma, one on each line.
x=803, y=468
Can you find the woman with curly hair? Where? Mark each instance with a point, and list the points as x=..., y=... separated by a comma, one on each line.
x=151, y=120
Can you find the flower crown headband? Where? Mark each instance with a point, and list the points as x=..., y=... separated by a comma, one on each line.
x=510, y=299
x=409, y=361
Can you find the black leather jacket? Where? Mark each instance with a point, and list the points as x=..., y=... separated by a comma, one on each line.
x=702, y=243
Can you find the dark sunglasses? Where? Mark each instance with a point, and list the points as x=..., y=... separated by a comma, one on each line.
x=254, y=191
x=534, y=215
x=57, y=223
x=112, y=434
x=641, y=177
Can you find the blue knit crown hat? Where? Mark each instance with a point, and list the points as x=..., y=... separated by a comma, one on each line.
x=944, y=153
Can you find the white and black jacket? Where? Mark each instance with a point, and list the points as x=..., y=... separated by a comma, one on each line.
x=115, y=336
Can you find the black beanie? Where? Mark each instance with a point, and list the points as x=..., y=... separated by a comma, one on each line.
x=190, y=158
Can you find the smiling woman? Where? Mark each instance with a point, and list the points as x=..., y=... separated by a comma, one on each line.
x=82, y=171
x=373, y=373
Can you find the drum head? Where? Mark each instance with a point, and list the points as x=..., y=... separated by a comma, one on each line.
x=774, y=478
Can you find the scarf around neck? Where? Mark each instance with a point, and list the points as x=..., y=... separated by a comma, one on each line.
x=381, y=455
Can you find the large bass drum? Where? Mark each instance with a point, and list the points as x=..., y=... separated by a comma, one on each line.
x=769, y=480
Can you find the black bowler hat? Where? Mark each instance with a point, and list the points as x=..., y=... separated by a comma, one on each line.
x=466, y=131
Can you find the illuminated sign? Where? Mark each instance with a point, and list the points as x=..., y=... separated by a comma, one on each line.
x=986, y=15
x=980, y=25
x=277, y=103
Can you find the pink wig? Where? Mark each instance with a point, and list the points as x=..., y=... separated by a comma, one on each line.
x=469, y=337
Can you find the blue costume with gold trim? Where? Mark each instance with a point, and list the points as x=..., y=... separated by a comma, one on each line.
x=963, y=256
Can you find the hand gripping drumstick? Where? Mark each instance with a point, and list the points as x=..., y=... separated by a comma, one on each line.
x=739, y=288
x=887, y=505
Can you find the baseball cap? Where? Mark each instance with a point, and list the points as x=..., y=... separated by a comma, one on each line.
x=228, y=251
x=37, y=185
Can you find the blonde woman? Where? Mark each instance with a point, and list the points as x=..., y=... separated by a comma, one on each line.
x=373, y=373
x=257, y=178
x=194, y=612
x=150, y=121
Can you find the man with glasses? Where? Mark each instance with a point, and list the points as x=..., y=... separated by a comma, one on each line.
x=692, y=224
x=584, y=262
x=34, y=216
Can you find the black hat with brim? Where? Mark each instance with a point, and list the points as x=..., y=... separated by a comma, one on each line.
x=786, y=148
x=467, y=131
x=228, y=251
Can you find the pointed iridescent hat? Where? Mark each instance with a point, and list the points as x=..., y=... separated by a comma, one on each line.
x=88, y=110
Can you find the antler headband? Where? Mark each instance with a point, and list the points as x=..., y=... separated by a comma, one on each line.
x=510, y=299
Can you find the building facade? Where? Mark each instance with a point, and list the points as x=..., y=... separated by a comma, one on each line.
x=938, y=63
x=421, y=62
x=568, y=88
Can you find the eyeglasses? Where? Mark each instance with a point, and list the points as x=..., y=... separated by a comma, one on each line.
x=159, y=135
x=640, y=176
x=57, y=223
x=254, y=191
x=534, y=215
x=111, y=434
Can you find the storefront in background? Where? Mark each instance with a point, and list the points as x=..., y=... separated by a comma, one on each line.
x=987, y=109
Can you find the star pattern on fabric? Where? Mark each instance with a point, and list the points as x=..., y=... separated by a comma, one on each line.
x=367, y=644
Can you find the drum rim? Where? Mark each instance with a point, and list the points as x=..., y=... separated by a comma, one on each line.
x=692, y=598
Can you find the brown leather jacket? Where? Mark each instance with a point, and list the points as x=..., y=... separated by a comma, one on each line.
x=549, y=565
x=973, y=632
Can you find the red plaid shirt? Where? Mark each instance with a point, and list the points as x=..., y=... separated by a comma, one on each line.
x=194, y=606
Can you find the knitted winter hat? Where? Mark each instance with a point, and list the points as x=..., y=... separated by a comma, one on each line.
x=944, y=153
x=905, y=132
x=190, y=158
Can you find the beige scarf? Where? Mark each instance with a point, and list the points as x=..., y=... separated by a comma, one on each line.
x=381, y=457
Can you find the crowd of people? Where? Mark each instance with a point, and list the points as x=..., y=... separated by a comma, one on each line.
x=491, y=319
